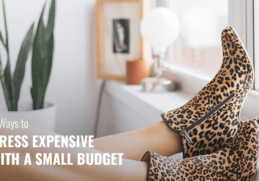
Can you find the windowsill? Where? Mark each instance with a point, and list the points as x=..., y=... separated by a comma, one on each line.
x=190, y=81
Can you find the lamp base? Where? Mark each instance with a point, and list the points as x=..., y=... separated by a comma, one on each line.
x=153, y=84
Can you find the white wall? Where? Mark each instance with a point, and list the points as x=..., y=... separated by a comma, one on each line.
x=117, y=117
x=73, y=86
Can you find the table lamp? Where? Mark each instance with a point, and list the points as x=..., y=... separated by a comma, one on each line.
x=160, y=27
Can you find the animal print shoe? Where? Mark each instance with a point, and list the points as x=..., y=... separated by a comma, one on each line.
x=210, y=119
x=237, y=161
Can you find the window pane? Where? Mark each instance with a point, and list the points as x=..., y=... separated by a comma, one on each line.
x=199, y=43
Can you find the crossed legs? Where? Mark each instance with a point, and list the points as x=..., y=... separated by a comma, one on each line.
x=133, y=144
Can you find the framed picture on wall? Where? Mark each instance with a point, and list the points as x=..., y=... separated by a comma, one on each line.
x=118, y=36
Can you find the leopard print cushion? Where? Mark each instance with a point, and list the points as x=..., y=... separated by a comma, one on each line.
x=235, y=76
x=237, y=161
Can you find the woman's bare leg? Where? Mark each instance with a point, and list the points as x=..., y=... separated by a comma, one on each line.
x=128, y=171
x=134, y=144
x=157, y=137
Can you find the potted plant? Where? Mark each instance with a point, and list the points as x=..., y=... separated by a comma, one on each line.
x=37, y=112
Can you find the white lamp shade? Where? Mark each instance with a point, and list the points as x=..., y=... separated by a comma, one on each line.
x=160, y=27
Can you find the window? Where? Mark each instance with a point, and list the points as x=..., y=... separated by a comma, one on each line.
x=201, y=50
x=199, y=43
x=241, y=17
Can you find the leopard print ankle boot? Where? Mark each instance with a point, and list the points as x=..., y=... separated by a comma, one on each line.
x=237, y=161
x=210, y=119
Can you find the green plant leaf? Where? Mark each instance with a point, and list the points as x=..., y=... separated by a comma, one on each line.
x=1, y=68
x=42, y=57
x=8, y=81
x=37, y=64
x=51, y=20
x=9, y=85
x=48, y=60
x=49, y=42
x=21, y=62
x=6, y=29
x=6, y=94
x=2, y=39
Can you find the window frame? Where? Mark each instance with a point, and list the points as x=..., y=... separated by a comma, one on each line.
x=241, y=17
x=256, y=44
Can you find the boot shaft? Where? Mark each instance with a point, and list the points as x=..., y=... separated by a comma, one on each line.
x=210, y=119
x=237, y=161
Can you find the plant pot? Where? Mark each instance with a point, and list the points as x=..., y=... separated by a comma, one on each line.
x=44, y=118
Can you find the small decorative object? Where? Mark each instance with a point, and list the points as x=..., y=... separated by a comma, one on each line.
x=136, y=71
x=118, y=36
x=160, y=27
x=38, y=112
